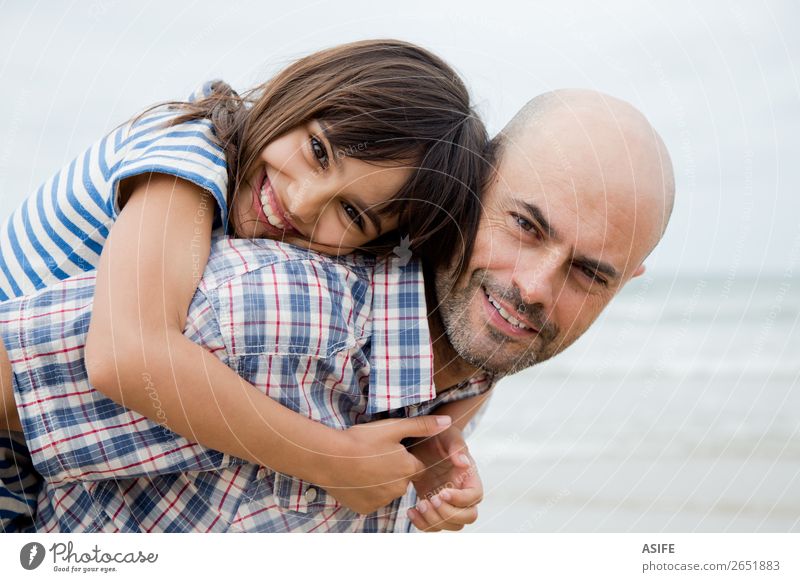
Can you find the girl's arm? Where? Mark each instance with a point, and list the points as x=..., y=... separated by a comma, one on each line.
x=451, y=488
x=148, y=272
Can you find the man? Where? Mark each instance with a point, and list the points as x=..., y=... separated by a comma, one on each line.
x=583, y=193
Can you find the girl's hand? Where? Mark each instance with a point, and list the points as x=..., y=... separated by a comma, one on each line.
x=450, y=488
x=375, y=468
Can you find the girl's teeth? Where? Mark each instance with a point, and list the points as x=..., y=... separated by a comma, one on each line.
x=271, y=217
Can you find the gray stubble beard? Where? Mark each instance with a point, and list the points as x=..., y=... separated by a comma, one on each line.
x=453, y=306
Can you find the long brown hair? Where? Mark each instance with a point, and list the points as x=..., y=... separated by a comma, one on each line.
x=379, y=100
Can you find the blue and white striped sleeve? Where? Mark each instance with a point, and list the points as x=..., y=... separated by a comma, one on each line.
x=186, y=150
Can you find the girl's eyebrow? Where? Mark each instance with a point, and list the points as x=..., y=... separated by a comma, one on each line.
x=337, y=160
x=368, y=212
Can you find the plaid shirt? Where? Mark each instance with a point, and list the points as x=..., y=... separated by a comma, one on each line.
x=339, y=340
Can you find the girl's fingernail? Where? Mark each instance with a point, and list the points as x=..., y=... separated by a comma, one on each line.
x=464, y=459
x=436, y=502
x=443, y=420
x=445, y=495
x=422, y=506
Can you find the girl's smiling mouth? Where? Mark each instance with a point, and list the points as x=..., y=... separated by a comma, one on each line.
x=268, y=208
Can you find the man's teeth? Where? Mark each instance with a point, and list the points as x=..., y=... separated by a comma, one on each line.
x=272, y=216
x=505, y=315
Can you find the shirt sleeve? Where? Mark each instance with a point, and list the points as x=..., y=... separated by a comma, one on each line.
x=401, y=356
x=75, y=433
x=187, y=151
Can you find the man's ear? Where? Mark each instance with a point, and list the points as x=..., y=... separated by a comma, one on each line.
x=639, y=271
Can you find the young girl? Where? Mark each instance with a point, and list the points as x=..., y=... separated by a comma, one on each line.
x=346, y=149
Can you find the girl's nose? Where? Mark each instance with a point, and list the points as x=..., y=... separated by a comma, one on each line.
x=304, y=205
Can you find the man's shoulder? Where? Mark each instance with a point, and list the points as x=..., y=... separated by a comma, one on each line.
x=253, y=261
x=274, y=296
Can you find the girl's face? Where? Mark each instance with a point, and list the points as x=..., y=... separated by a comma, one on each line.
x=303, y=192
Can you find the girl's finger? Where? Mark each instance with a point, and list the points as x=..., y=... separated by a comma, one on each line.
x=462, y=497
x=430, y=515
x=456, y=517
x=460, y=457
x=416, y=519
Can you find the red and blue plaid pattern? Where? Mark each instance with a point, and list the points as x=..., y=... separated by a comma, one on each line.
x=340, y=340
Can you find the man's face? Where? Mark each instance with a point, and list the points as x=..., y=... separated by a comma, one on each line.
x=555, y=244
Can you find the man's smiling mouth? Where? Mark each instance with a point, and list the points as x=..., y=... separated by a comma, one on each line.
x=513, y=321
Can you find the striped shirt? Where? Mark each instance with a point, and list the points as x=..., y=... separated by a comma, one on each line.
x=340, y=340
x=59, y=231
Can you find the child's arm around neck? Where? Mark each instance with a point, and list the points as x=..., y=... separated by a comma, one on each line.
x=148, y=273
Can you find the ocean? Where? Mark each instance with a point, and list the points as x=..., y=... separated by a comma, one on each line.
x=678, y=411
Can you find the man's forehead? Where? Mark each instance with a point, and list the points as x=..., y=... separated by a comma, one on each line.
x=529, y=180
x=586, y=222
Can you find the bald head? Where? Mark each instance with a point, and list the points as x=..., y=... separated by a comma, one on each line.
x=604, y=146
x=582, y=193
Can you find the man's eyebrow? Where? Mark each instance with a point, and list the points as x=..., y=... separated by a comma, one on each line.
x=598, y=266
x=538, y=216
x=594, y=264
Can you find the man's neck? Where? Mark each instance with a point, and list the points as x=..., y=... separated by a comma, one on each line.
x=449, y=369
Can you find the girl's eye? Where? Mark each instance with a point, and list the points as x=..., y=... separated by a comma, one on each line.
x=353, y=215
x=319, y=151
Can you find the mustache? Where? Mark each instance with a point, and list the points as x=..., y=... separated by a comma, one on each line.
x=531, y=312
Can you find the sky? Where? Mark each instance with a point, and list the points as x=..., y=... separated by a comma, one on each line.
x=719, y=81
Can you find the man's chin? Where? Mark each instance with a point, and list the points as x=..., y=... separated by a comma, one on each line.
x=506, y=368
x=496, y=358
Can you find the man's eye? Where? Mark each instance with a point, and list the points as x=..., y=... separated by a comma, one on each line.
x=319, y=151
x=353, y=215
x=526, y=225
x=593, y=277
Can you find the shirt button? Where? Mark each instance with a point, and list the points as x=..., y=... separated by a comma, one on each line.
x=311, y=494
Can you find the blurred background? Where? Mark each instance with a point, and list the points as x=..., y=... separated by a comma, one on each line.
x=680, y=409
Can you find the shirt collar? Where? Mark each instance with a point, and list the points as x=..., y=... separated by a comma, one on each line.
x=401, y=357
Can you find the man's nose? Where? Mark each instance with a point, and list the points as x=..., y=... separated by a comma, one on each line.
x=541, y=281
